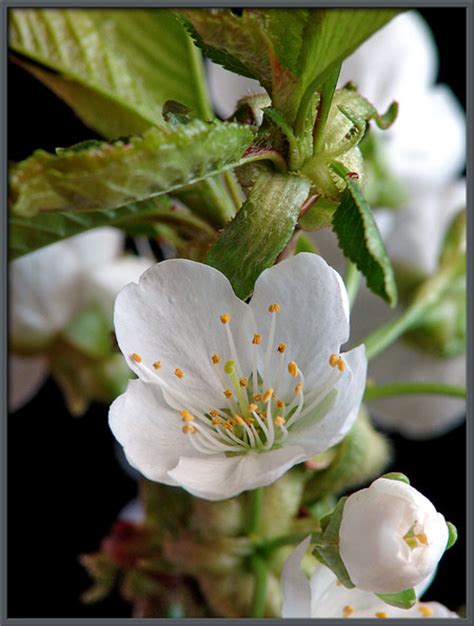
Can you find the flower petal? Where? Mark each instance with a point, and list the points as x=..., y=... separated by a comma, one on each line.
x=418, y=416
x=102, y=286
x=220, y=477
x=399, y=59
x=314, y=317
x=331, y=599
x=25, y=377
x=419, y=155
x=227, y=88
x=296, y=590
x=149, y=431
x=318, y=432
x=418, y=230
x=172, y=315
x=46, y=287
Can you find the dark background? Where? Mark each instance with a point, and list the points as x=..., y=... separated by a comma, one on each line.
x=65, y=484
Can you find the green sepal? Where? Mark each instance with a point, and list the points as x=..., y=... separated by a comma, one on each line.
x=327, y=544
x=454, y=243
x=402, y=600
x=360, y=457
x=397, y=476
x=453, y=535
x=120, y=172
x=304, y=244
x=360, y=239
x=90, y=333
x=260, y=230
x=363, y=108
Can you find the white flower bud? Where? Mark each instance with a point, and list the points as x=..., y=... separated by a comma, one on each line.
x=391, y=537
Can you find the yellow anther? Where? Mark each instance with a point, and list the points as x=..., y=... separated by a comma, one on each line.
x=189, y=428
x=347, y=610
x=298, y=389
x=216, y=421
x=281, y=348
x=187, y=416
x=381, y=614
x=228, y=393
x=274, y=308
x=229, y=425
x=240, y=420
x=333, y=359
x=279, y=420
x=280, y=404
x=341, y=365
x=257, y=340
x=257, y=397
x=215, y=359
x=136, y=357
x=267, y=395
x=225, y=318
x=252, y=407
x=179, y=373
x=293, y=368
x=249, y=420
x=422, y=538
x=243, y=382
x=425, y=610
x=213, y=413
x=157, y=365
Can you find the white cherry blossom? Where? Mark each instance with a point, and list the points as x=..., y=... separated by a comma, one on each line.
x=52, y=285
x=323, y=596
x=391, y=537
x=231, y=395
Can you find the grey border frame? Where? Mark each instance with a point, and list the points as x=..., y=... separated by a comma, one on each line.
x=4, y=6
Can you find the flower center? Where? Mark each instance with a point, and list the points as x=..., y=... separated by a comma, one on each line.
x=415, y=536
x=253, y=415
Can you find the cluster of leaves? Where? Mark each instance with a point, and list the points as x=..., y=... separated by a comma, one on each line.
x=136, y=77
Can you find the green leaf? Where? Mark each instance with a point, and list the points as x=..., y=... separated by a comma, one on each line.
x=327, y=544
x=397, y=476
x=260, y=230
x=453, y=535
x=360, y=239
x=27, y=234
x=114, y=174
x=402, y=600
x=290, y=51
x=111, y=60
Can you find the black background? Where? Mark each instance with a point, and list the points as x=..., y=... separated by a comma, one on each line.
x=65, y=484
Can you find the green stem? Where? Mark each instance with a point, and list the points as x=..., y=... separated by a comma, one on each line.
x=385, y=335
x=352, y=280
x=267, y=547
x=399, y=389
x=255, y=510
x=260, y=591
x=429, y=294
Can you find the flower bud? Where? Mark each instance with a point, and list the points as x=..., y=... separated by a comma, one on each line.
x=391, y=537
